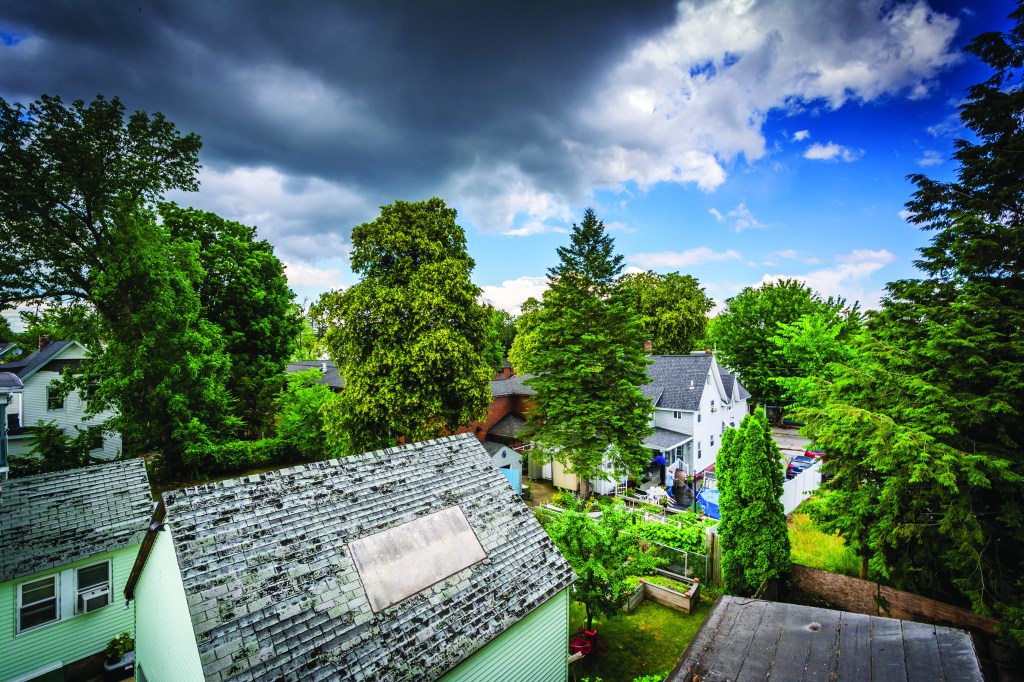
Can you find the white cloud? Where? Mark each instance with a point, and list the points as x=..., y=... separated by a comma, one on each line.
x=832, y=152
x=849, y=278
x=788, y=254
x=617, y=226
x=801, y=135
x=906, y=215
x=313, y=277
x=931, y=158
x=511, y=293
x=683, y=105
x=741, y=217
x=306, y=218
x=681, y=259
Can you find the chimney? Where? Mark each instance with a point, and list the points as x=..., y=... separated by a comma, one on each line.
x=648, y=346
x=323, y=368
x=707, y=351
x=44, y=341
x=691, y=383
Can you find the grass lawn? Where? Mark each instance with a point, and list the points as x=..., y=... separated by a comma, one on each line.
x=647, y=642
x=811, y=547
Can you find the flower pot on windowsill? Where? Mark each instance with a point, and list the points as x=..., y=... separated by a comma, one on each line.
x=119, y=669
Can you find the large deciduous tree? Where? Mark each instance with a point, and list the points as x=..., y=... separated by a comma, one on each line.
x=753, y=531
x=243, y=291
x=742, y=333
x=588, y=362
x=673, y=309
x=924, y=425
x=409, y=338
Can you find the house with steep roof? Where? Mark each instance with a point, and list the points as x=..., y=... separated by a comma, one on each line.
x=695, y=400
x=754, y=639
x=40, y=402
x=68, y=541
x=328, y=371
x=323, y=572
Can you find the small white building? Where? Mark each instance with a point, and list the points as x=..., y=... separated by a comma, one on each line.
x=38, y=403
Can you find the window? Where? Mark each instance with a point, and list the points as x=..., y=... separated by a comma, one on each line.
x=54, y=401
x=96, y=440
x=93, y=586
x=698, y=450
x=38, y=603
x=698, y=416
x=712, y=439
x=707, y=380
x=676, y=415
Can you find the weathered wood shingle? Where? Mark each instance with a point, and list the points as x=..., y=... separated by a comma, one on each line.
x=50, y=520
x=274, y=593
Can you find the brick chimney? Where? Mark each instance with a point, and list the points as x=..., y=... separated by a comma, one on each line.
x=44, y=341
x=648, y=346
x=707, y=351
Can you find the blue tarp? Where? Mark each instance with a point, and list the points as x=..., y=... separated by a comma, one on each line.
x=708, y=501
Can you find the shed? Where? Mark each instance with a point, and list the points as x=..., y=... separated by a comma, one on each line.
x=755, y=639
x=322, y=572
x=508, y=461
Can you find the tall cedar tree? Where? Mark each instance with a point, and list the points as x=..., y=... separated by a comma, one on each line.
x=243, y=291
x=588, y=363
x=410, y=337
x=753, y=532
x=673, y=309
x=925, y=427
x=742, y=333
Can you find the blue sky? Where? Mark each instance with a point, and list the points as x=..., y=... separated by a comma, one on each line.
x=737, y=141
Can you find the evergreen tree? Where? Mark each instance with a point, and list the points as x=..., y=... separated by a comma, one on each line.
x=409, y=338
x=753, y=531
x=924, y=425
x=588, y=363
x=673, y=309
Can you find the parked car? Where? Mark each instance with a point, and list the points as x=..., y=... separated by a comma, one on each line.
x=797, y=465
x=817, y=454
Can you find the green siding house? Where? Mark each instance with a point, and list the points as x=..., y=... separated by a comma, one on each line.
x=325, y=572
x=68, y=541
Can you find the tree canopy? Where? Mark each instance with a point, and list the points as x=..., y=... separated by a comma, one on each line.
x=922, y=422
x=673, y=309
x=742, y=333
x=410, y=337
x=753, y=531
x=588, y=362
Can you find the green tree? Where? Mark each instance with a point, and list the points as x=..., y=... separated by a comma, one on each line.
x=66, y=175
x=408, y=338
x=753, y=532
x=495, y=349
x=742, y=333
x=923, y=424
x=524, y=344
x=243, y=290
x=302, y=410
x=54, y=450
x=588, y=362
x=61, y=320
x=6, y=333
x=673, y=309
x=602, y=555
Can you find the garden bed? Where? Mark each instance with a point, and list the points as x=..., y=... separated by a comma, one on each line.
x=681, y=595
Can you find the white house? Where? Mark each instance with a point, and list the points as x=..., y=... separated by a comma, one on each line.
x=695, y=401
x=39, y=404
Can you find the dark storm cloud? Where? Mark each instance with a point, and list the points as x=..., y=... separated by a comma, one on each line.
x=386, y=98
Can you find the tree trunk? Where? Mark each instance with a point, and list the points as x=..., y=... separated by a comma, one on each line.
x=590, y=618
x=584, y=488
x=863, y=568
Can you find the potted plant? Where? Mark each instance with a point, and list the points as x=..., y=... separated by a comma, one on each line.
x=120, y=656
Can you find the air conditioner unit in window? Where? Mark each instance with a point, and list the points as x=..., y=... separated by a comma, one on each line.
x=714, y=409
x=90, y=600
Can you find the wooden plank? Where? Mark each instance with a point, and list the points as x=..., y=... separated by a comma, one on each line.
x=700, y=655
x=762, y=654
x=854, y=637
x=739, y=636
x=957, y=655
x=886, y=649
x=921, y=652
x=823, y=654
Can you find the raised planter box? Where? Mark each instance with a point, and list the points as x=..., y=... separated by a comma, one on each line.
x=680, y=601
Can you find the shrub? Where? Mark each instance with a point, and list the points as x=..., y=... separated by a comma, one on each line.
x=236, y=455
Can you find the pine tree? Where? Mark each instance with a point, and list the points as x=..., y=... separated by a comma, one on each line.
x=588, y=362
x=753, y=532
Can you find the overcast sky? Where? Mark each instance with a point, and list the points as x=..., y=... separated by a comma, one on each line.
x=735, y=141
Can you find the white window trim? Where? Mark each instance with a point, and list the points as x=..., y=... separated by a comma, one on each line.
x=56, y=577
x=66, y=595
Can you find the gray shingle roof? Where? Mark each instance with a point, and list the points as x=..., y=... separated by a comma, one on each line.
x=674, y=375
x=733, y=388
x=512, y=386
x=9, y=382
x=50, y=520
x=33, y=361
x=663, y=439
x=274, y=592
x=508, y=426
x=762, y=638
x=492, y=447
x=330, y=377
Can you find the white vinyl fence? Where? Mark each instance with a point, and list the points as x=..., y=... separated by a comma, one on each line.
x=796, y=490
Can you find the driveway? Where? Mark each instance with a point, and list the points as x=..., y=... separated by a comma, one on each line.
x=790, y=442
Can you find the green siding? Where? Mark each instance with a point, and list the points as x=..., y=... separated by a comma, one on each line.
x=165, y=644
x=66, y=640
x=535, y=649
